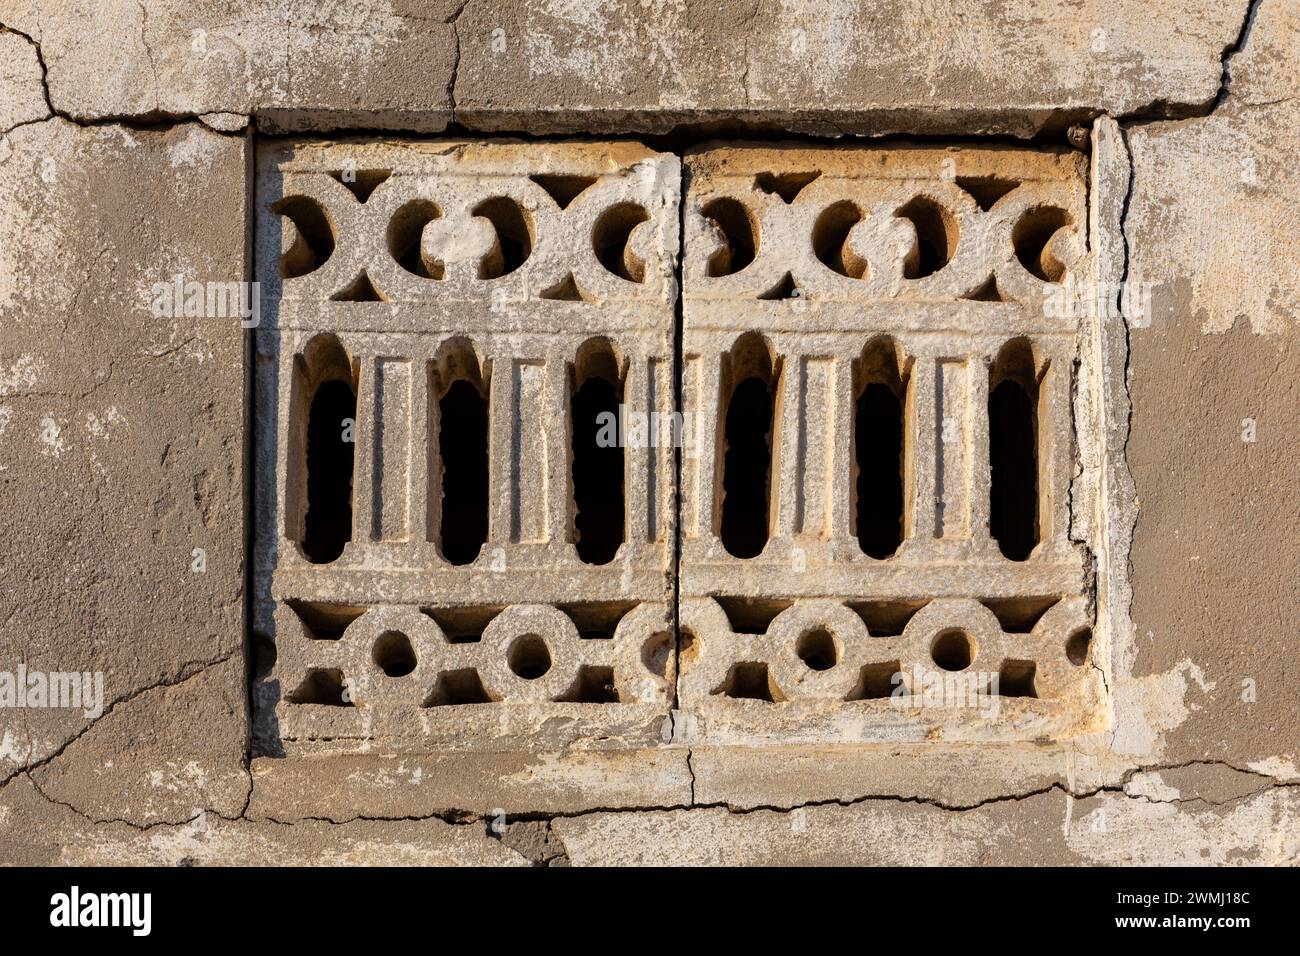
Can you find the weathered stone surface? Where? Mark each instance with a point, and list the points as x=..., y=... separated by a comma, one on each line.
x=121, y=441
x=345, y=787
x=122, y=445
x=515, y=273
x=556, y=65
x=1048, y=829
x=751, y=777
x=943, y=279
x=162, y=756
x=1215, y=379
x=302, y=65
x=22, y=94
x=35, y=832
x=833, y=67
x=871, y=833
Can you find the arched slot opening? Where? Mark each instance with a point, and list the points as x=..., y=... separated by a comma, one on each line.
x=325, y=406
x=1013, y=451
x=879, y=449
x=597, y=460
x=462, y=449
x=750, y=378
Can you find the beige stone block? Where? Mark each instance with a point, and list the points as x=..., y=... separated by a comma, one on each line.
x=342, y=787
x=833, y=68
x=380, y=64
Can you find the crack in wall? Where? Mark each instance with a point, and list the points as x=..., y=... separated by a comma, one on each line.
x=186, y=674
x=537, y=842
x=457, y=818
x=1052, y=125
x=1230, y=51
x=453, y=22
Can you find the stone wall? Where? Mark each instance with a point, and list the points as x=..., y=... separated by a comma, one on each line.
x=135, y=536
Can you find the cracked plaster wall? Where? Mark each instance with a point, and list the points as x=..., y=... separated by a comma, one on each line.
x=121, y=440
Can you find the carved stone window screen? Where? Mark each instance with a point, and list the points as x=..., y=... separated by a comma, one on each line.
x=865, y=292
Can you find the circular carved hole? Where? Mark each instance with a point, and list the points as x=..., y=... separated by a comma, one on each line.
x=529, y=657
x=1032, y=240
x=1076, y=647
x=953, y=650
x=817, y=650
x=393, y=654
x=655, y=654
x=740, y=235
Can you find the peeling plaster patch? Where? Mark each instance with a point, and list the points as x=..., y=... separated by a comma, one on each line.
x=1120, y=830
x=51, y=437
x=23, y=376
x=1224, y=170
x=195, y=150
x=1151, y=786
x=1146, y=707
x=99, y=427
x=1279, y=768
x=10, y=749
x=6, y=416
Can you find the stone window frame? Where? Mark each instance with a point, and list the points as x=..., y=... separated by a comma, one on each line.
x=1099, y=406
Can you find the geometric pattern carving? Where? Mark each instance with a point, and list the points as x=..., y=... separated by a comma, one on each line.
x=878, y=380
x=506, y=266
x=937, y=259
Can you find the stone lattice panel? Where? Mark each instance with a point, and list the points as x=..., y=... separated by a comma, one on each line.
x=398, y=269
x=932, y=271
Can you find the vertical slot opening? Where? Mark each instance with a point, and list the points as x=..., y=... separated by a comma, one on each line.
x=1013, y=451
x=462, y=429
x=327, y=380
x=879, y=458
x=750, y=379
x=597, y=460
